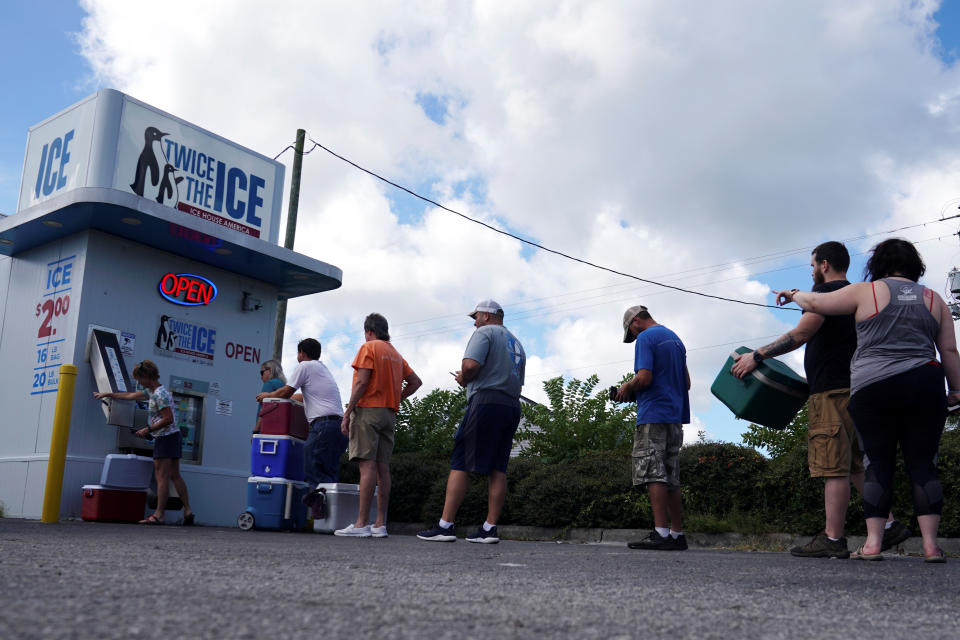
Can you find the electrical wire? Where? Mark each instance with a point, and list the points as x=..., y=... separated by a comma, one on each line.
x=535, y=244
x=568, y=256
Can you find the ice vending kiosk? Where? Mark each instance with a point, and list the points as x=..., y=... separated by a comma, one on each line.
x=140, y=236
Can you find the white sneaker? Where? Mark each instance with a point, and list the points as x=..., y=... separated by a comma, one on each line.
x=378, y=532
x=352, y=531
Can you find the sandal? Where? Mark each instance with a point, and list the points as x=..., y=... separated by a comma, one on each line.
x=859, y=554
x=188, y=520
x=151, y=519
x=938, y=558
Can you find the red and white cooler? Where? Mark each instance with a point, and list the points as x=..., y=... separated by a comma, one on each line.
x=283, y=417
x=112, y=504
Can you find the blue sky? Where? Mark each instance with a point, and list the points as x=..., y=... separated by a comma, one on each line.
x=49, y=74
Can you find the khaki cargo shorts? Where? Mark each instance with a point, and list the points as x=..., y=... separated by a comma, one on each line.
x=371, y=433
x=656, y=454
x=833, y=448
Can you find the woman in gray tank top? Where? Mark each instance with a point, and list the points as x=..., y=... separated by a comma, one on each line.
x=896, y=383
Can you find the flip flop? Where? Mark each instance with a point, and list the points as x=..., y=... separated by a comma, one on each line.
x=151, y=519
x=938, y=558
x=188, y=520
x=860, y=555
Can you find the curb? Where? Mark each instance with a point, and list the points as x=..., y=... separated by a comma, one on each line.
x=772, y=542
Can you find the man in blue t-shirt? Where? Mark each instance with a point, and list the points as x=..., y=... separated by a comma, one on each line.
x=660, y=386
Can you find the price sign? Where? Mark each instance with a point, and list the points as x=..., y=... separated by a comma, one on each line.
x=52, y=307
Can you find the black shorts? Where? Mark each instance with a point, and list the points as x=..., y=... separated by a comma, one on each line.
x=168, y=446
x=485, y=437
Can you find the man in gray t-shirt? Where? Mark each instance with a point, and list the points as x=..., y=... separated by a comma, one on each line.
x=492, y=371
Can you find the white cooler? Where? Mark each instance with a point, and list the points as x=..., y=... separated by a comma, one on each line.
x=127, y=471
x=343, y=501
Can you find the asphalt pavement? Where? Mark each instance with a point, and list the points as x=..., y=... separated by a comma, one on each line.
x=95, y=580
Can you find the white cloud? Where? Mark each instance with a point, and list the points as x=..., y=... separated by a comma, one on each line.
x=670, y=140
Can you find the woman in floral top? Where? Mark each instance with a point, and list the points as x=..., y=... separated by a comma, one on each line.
x=167, y=444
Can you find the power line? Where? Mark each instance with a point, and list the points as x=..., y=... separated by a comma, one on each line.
x=535, y=244
x=570, y=257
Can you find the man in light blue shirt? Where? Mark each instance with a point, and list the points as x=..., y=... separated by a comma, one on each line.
x=492, y=371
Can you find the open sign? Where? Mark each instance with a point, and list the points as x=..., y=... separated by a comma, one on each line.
x=187, y=289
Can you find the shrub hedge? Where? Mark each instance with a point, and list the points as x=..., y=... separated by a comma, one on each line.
x=726, y=487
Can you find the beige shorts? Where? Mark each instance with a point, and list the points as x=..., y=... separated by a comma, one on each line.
x=371, y=433
x=833, y=448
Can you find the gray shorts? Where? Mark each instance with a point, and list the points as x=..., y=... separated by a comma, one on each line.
x=656, y=454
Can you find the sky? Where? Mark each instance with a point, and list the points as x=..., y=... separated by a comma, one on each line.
x=709, y=147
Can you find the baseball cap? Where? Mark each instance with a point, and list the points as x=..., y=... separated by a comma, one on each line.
x=486, y=306
x=628, y=317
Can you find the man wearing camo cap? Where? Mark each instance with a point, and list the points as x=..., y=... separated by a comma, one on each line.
x=660, y=386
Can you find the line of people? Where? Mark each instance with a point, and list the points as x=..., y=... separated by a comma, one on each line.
x=492, y=371
x=871, y=363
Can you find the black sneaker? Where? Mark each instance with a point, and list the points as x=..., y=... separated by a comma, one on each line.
x=657, y=542
x=439, y=534
x=822, y=547
x=894, y=535
x=484, y=537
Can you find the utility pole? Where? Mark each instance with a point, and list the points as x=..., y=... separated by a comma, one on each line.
x=288, y=240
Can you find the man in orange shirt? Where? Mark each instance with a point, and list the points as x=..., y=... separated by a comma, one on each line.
x=370, y=419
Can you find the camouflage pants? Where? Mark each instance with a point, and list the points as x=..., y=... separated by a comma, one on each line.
x=656, y=454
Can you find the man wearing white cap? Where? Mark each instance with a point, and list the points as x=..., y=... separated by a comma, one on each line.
x=660, y=386
x=492, y=371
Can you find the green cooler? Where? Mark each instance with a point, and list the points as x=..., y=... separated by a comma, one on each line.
x=770, y=395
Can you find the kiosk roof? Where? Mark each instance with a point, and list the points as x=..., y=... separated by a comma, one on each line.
x=167, y=229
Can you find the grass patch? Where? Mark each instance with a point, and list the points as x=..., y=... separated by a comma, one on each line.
x=734, y=522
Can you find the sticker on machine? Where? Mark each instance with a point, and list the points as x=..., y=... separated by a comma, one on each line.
x=185, y=340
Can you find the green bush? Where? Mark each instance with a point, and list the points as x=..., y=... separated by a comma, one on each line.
x=591, y=491
x=575, y=422
x=719, y=478
x=426, y=425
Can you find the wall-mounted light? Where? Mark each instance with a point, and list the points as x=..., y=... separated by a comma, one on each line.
x=52, y=224
x=250, y=304
x=131, y=221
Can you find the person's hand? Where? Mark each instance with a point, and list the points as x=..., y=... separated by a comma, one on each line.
x=953, y=399
x=98, y=395
x=458, y=376
x=261, y=396
x=785, y=296
x=744, y=364
x=624, y=394
x=143, y=432
x=345, y=425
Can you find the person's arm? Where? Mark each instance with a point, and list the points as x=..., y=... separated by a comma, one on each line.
x=835, y=303
x=122, y=395
x=413, y=382
x=809, y=324
x=689, y=383
x=946, y=342
x=469, y=368
x=163, y=420
x=356, y=392
x=283, y=392
x=629, y=389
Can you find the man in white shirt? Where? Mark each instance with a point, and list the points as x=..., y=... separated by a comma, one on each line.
x=321, y=402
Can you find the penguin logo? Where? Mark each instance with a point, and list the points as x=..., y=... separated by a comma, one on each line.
x=166, y=184
x=165, y=337
x=147, y=162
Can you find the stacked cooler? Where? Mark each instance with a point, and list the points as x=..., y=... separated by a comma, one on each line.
x=121, y=495
x=275, y=488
